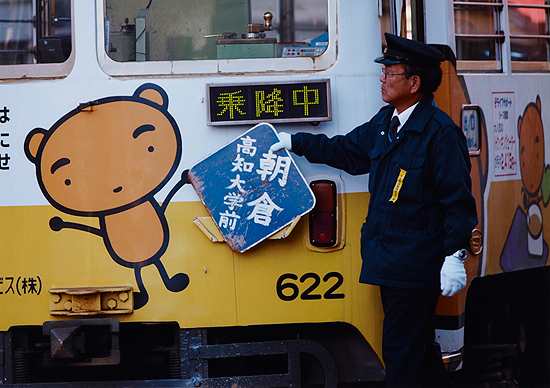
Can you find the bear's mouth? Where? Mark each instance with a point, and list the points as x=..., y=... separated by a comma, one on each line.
x=118, y=189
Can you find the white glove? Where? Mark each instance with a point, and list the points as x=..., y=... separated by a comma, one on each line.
x=453, y=275
x=285, y=141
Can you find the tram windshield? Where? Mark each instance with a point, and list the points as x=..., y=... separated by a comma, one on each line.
x=153, y=30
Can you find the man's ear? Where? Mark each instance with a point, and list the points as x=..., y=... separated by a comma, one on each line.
x=415, y=83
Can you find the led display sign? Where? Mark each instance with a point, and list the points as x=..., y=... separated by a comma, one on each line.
x=269, y=102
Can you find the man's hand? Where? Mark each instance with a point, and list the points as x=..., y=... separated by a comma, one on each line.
x=285, y=142
x=453, y=275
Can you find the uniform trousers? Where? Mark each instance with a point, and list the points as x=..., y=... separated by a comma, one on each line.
x=410, y=353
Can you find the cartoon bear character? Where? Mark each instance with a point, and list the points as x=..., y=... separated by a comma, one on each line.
x=533, y=171
x=531, y=146
x=107, y=159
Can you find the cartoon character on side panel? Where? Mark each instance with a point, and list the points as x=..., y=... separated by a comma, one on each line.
x=107, y=159
x=525, y=246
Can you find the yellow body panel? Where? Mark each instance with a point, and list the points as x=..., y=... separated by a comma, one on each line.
x=225, y=288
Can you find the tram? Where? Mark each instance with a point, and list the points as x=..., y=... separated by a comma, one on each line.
x=113, y=270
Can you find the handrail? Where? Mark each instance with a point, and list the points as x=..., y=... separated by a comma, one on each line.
x=16, y=21
x=478, y=3
x=493, y=36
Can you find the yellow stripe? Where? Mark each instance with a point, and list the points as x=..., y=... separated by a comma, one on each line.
x=398, y=185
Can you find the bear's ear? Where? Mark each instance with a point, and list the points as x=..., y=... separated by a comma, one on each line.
x=32, y=143
x=153, y=93
x=538, y=103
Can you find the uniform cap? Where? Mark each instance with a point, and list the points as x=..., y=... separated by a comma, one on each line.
x=411, y=52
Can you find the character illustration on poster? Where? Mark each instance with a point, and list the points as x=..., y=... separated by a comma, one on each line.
x=525, y=246
x=107, y=159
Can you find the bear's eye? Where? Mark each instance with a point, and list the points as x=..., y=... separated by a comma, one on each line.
x=67, y=182
x=151, y=148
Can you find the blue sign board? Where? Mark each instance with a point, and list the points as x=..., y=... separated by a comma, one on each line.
x=250, y=191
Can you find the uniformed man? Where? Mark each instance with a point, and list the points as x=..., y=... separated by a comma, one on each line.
x=421, y=211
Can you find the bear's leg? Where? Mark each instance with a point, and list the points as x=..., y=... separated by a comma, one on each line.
x=140, y=298
x=176, y=283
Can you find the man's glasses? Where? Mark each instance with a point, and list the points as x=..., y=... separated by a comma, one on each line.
x=385, y=73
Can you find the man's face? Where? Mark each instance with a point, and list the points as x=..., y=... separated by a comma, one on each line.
x=396, y=88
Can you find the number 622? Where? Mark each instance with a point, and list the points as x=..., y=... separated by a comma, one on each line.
x=288, y=290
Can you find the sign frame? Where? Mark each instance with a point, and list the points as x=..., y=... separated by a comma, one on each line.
x=312, y=119
x=294, y=197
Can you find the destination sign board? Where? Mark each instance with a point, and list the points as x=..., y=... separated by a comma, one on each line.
x=249, y=191
x=269, y=102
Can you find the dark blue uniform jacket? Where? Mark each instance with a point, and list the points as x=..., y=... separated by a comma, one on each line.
x=404, y=243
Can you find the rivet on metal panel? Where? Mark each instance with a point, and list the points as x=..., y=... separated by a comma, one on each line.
x=111, y=303
x=91, y=300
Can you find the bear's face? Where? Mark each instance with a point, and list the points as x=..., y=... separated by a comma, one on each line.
x=531, y=147
x=106, y=158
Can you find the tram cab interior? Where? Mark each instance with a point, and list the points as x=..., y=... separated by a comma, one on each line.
x=175, y=30
x=35, y=32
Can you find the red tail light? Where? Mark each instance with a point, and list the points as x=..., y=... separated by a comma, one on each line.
x=322, y=219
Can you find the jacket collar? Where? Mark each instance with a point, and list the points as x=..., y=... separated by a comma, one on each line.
x=421, y=114
x=419, y=117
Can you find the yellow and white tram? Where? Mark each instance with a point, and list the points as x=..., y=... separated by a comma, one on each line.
x=77, y=76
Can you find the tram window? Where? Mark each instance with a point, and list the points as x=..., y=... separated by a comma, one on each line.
x=403, y=21
x=35, y=31
x=529, y=35
x=171, y=30
x=386, y=21
x=478, y=34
